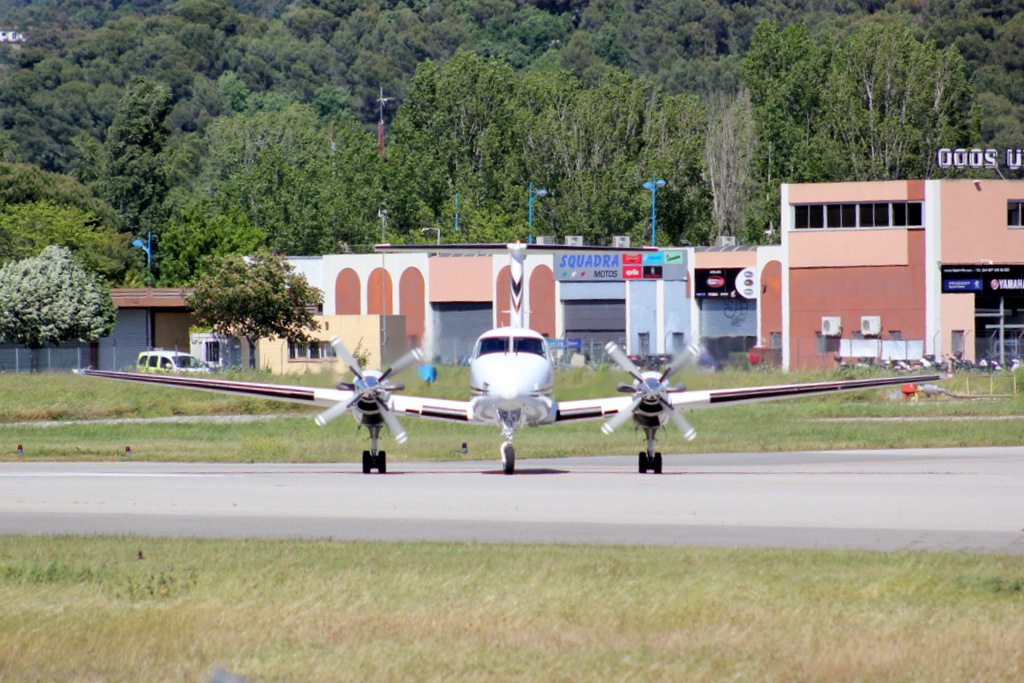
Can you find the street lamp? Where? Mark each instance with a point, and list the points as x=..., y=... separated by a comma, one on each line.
x=147, y=247
x=437, y=230
x=534, y=195
x=653, y=184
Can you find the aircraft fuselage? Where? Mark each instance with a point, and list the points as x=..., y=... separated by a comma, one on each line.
x=511, y=372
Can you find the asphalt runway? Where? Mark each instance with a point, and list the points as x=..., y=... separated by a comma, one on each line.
x=958, y=499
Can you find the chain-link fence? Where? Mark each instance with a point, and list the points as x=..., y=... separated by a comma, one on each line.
x=64, y=358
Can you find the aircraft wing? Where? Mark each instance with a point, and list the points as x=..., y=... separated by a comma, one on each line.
x=432, y=408
x=314, y=396
x=713, y=397
x=600, y=408
x=591, y=408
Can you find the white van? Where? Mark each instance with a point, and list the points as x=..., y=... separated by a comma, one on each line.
x=159, y=360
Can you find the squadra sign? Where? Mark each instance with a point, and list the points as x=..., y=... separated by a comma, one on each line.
x=978, y=158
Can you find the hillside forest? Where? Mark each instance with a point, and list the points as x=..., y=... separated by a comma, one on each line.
x=215, y=127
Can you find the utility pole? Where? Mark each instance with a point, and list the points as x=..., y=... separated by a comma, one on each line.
x=380, y=126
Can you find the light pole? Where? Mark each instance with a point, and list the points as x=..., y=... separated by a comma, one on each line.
x=147, y=246
x=653, y=184
x=534, y=195
x=437, y=230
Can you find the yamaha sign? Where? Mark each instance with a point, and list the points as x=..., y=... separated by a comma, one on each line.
x=1008, y=279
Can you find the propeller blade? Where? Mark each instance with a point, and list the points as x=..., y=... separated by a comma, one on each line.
x=622, y=360
x=681, y=423
x=411, y=358
x=341, y=352
x=337, y=410
x=688, y=355
x=625, y=388
x=392, y=422
x=620, y=418
x=396, y=386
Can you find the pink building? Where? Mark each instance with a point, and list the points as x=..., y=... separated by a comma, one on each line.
x=898, y=269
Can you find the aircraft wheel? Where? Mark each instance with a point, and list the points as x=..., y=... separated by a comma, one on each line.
x=643, y=463
x=367, y=462
x=382, y=462
x=508, y=458
x=657, y=463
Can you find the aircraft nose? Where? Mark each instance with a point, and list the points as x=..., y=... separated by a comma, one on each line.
x=505, y=391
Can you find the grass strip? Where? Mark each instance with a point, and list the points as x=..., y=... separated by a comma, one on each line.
x=130, y=609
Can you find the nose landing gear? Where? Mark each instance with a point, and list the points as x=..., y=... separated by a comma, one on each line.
x=650, y=461
x=372, y=459
x=508, y=458
x=509, y=420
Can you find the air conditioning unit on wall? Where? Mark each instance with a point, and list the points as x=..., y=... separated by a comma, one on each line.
x=574, y=240
x=831, y=326
x=620, y=241
x=871, y=325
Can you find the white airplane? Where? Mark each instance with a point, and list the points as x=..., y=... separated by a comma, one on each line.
x=512, y=380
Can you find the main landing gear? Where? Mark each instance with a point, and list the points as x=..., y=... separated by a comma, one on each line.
x=372, y=459
x=650, y=461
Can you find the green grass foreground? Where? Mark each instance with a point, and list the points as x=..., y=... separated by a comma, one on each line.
x=137, y=609
x=288, y=434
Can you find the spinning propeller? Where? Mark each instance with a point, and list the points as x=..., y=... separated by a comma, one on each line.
x=650, y=388
x=370, y=387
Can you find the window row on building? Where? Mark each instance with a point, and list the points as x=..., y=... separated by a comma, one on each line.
x=861, y=215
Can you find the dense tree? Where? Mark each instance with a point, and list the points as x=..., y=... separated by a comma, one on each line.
x=194, y=237
x=306, y=186
x=255, y=298
x=133, y=179
x=27, y=229
x=892, y=102
x=50, y=300
x=475, y=128
x=24, y=183
x=874, y=107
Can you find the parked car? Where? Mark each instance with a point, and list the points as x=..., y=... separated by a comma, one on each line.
x=159, y=360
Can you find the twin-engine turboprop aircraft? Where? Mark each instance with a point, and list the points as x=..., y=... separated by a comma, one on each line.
x=512, y=380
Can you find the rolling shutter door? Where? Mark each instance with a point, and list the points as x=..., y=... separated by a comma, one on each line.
x=131, y=337
x=595, y=321
x=728, y=318
x=459, y=324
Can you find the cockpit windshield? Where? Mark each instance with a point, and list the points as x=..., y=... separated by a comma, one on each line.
x=518, y=345
x=493, y=345
x=528, y=345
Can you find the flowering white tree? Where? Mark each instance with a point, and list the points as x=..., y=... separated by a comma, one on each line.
x=51, y=299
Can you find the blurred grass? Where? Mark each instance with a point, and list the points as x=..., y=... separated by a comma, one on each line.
x=136, y=609
x=288, y=434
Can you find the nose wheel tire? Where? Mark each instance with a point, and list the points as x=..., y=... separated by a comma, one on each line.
x=508, y=458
